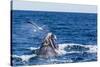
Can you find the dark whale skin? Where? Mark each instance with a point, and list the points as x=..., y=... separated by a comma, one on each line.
x=48, y=47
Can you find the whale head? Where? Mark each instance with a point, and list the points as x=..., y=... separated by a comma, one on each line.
x=48, y=46
x=50, y=38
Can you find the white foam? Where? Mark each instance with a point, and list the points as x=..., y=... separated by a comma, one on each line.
x=60, y=51
x=24, y=58
x=92, y=48
x=33, y=48
x=59, y=60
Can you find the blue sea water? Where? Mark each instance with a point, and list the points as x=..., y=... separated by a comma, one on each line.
x=76, y=35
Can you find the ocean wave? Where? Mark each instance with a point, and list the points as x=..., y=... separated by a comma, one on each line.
x=33, y=48
x=24, y=58
x=77, y=48
x=65, y=48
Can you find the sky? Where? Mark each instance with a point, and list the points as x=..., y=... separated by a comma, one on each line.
x=47, y=6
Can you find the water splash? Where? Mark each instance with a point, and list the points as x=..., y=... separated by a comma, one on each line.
x=33, y=48
x=66, y=54
x=90, y=48
x=24, y=58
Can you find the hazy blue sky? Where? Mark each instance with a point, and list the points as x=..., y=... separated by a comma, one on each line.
x=42, y=6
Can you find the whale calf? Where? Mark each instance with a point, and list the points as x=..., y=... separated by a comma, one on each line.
x=48, y=47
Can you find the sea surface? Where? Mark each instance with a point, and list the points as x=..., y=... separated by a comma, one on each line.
x=76, y=36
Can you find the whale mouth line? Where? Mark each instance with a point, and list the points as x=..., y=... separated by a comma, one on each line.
x=48, y=47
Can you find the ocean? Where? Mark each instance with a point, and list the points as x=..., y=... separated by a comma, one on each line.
x=76, y=36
